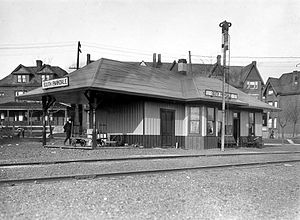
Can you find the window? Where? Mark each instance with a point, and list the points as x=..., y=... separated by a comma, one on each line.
x=270, y=123
x=195, y=120
x=270, y=103
x=17, y=93
x=265, y=119
x=21, y=78
x=210, y=121
x=275, y=123
x=1, y=94
x=45, y=77
x=270, y=91
x=295, y=80
x=276, y=104
x=252, y=85
x=251, y=123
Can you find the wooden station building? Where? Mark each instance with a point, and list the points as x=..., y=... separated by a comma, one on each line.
x=155, y=108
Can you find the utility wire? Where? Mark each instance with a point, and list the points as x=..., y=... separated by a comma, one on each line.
x=252, y=57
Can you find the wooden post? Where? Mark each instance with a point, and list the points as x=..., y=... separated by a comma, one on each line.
x=44, y=103
x=94, y=124
x=92, y=99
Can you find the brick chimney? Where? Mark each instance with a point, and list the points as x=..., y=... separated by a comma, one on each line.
x=88, y=59
x=159, y=63
x=254, y=63
x=182, y=66
x=39, y=63
x=154, y=60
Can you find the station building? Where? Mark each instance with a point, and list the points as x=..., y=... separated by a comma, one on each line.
x=156, y=108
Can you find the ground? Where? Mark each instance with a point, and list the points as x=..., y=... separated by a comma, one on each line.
x=268, y=192
x=255, y=192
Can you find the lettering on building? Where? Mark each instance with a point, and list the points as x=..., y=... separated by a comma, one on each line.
x=55, y=83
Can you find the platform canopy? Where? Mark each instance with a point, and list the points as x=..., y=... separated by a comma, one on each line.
x=106, y=76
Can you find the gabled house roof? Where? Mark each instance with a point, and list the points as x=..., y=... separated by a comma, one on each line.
x=284, y=84
x=34, y=71
x=23, y=70
x=237, y=74
x=125, y=78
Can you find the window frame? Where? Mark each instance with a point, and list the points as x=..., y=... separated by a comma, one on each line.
x=45, y=77
x=270, y=91
x=21, y=78
x=195, y=120
x=252, y=85
x=213, y=133
x=18, y=93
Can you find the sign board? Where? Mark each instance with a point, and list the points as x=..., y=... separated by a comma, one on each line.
x=55, y=83
x=214, y=93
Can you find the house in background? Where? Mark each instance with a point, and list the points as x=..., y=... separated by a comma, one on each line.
x=15, y=113
x=245, y=78
x=284, y=93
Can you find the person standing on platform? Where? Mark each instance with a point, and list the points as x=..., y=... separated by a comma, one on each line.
x=68, y=129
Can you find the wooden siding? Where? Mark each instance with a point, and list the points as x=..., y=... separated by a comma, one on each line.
x=204, y=121
x=152, y=117
x=194, y=142
x=125, y=118
x=258, y=124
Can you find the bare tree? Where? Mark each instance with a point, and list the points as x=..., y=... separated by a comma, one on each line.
x=293, y=110
x=283, y=118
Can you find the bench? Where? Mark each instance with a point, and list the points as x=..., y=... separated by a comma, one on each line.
x=229, y=141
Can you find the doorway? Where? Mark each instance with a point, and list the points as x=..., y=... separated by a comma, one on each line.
x=236, y=126
x=167, y=127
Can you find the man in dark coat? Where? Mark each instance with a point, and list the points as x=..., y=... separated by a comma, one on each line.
x=67, y=129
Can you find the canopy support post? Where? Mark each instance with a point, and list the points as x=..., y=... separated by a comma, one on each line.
x=94, y=102
x=47, y=102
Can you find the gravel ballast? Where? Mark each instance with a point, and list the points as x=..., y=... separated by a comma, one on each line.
x=262, y=192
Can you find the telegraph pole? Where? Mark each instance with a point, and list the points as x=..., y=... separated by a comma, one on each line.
x=225, y=46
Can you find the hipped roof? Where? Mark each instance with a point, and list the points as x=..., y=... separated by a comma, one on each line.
x=125, y=78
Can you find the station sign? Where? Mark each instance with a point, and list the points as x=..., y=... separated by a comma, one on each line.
x=214, y=93
x=55, y=83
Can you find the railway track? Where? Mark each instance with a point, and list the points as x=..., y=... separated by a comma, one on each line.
x=12, y=174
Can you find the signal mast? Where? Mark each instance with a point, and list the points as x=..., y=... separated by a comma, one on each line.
x=225, y=47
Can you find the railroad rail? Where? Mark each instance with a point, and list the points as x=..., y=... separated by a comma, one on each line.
x=142, y=157
x=121, y=167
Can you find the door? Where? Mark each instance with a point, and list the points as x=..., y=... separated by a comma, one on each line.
x=167, y=129
x=236, y=126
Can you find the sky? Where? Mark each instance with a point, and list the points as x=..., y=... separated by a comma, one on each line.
x=132, y=30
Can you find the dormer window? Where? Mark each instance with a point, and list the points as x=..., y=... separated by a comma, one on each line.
x=45, y=77
x=295, y=80
x=18, y=93
x=21, y=78
x=270, y=91
x=252, y=85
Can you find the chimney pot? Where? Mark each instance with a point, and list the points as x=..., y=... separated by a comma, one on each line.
x=154, y=60
x=159, y=58
x=39, y=63
x=88, y=59
x=182, y=66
